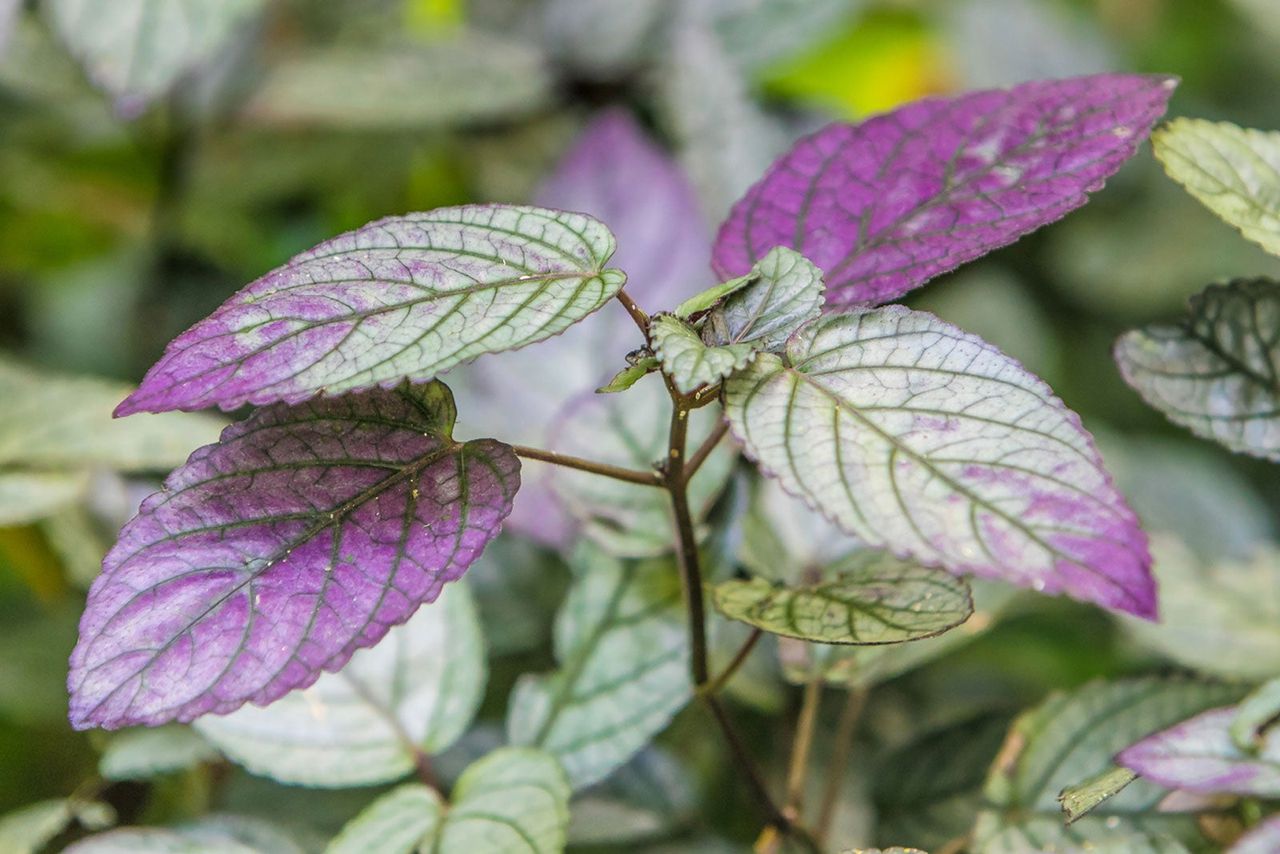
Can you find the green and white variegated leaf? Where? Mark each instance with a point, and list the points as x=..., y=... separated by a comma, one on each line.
x=471, y=77
x=135, y=50
x=140, y=754
x=57, y=421
x=650, y=796
x=758, y=33
x=705, y=300
x=1256, y=714
x=917, y=437
x=1081, y=799
x=631, y=430
x=28, y=496
x=785, y=541
x=785, y=293
x=402, y=821
x=1072, y=737
x=217, y=834
x=422, y=683
x=1217, y=372
x=514, y=799
x=870, y=598
x=623, y=650
x=928, y=790
x=855, y=666
x=1220, y=617
x=29, y=829
x=1234, y=171
x=687, y=360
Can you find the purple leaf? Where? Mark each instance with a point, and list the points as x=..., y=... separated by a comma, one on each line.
x=303, y=535
x=883, y=206
x=1199, y=756
x=613, y=172
x=1262, y=839
x=409, y=296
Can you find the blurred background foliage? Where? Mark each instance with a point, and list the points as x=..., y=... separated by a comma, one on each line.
x=142, y=182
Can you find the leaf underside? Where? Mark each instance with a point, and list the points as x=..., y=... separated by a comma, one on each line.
x=403, y=297
x=885, y=205
x=919, y=438
x=304, y=535
x=1199, y=756
x=1217, y=372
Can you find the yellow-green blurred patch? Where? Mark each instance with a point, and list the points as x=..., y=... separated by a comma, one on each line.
x=429, y=17
x=884, y=59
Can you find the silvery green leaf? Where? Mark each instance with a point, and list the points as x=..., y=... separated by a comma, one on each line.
x=689, y=362
x=602, y=39
x=405, y=297
x=870, y=598
x=758, y=33
x=29, y=829
x=623, y=650
x=514, y=799
x=60, y=421
x=1234, y=171
x=1215, y=372
x=9, y=11
x=1221, y=617
x=1256, y=714
x=786, y=291
x=400, y=822
x=783, y=540
x=1082, y=798
x=135, y=50
x=1198, y=756
x=416, y=690
x=471, y=77
x=140, y=754
x=214, y=834
x=650, y=796
x=632, y=430
x=28, y=496
x=704, y=301
x=922, y=439
x=1072, y=737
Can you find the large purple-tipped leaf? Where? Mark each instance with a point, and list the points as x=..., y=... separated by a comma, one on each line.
x=409, y=296
x=616, y=173
x=1199, y=756
x=885, y=205
x=920, y=438
x=303, y=535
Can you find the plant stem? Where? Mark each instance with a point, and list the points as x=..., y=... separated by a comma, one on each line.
x=713, y=687
x=637, y=314
x=801, y=748
x=704, y=450
x=845, y=727
x=644, y=478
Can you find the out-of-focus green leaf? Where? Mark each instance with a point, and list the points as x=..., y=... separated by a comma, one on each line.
x=871, y=598
x=27, y=496
x=1215, y=372
x=631, y=430
x=1072, y=737
x=1220, y=617
x=1234, y=171
x=417, y=690
x=1081, y=799
x=52, y=420
x=30, y=829
x=650, y=796
x=602, y=39
x=514, y=799
x=517, y=586
x=221, y=834
x=928, y=790
x=136, y=49
x=623, y=650
x=758, y=33
x=75, y=537
x=1257, y=713
x=143, y=753
x=465, y=78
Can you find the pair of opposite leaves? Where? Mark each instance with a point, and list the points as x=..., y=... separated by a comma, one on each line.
x=332, y=513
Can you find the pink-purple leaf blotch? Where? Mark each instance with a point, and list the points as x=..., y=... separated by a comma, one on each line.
x=409, y=296
x=303, y=535
x=883, y=206
x=1199, y=756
